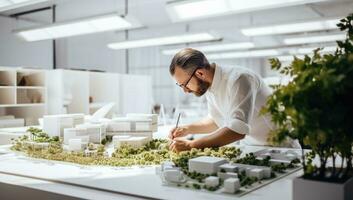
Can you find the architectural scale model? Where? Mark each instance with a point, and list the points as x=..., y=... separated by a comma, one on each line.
x=128, y=141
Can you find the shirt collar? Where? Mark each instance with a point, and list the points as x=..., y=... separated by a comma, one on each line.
x=216, y=79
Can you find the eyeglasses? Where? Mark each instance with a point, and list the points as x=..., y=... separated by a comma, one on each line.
x=185, y=85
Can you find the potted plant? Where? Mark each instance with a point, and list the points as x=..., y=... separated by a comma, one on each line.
x=316, y=107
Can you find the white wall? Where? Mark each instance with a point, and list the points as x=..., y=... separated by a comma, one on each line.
x=91, y=52
x=15, y=52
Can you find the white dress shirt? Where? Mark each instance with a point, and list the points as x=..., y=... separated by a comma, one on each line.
x=235, y=99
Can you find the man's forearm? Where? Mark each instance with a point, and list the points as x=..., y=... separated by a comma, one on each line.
x=219, y=138
x=206, y=125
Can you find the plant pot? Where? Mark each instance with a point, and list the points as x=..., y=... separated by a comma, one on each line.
x=306, y=189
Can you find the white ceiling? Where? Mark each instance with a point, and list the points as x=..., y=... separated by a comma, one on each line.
x=153, y=15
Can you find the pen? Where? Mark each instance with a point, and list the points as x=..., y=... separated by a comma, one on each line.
x=177, y=123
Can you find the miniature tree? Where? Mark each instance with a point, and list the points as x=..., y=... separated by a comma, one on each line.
x=38, y=135
x=316, y=107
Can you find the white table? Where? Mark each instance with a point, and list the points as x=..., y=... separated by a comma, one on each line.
x=26, y=177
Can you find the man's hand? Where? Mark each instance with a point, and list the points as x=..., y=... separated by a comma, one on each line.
x=178, y=132
x=179, y=144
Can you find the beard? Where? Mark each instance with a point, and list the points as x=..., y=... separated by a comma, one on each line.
x=202, y=87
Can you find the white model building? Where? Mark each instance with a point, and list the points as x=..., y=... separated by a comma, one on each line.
x=212, y=181
x=226, y=175
x=134, y=130
x=174, y=175
x=152, y=117
x=231, y=185
x=133, y=141
x=167, y=165
x=164, y=165
x=74, y=133
x=133, y=122
x=90, y=152
x=171, y=173
x=227, y=167
x=256, y=172
x=37, y=145
x=278, y=156
x=54, y=125
x=119, y=125
x=148, y=135
x=143, y=125
x=260, y=172
x=77, y=145
x=205, y=164
x=130, y=125
x=96, y=132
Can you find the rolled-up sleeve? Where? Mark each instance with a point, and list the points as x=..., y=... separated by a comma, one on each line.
x=241, y=96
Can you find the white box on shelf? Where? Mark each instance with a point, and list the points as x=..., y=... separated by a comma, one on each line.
x=205, y=164
x=212, y=181
x=231, y=185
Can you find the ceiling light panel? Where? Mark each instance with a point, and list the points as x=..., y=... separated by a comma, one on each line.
x=215, y=47
x=168, y=40
x=198, y=9
x=314, y=39
x=244, y=54
x=12, y=4
x=307, y=26
x=78, y=27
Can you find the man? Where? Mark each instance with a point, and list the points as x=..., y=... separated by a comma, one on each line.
x=234, y=96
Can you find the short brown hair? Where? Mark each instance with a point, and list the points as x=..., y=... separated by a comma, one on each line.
x=189, y=59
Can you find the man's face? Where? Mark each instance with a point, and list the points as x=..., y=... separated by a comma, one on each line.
x=190, y=82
